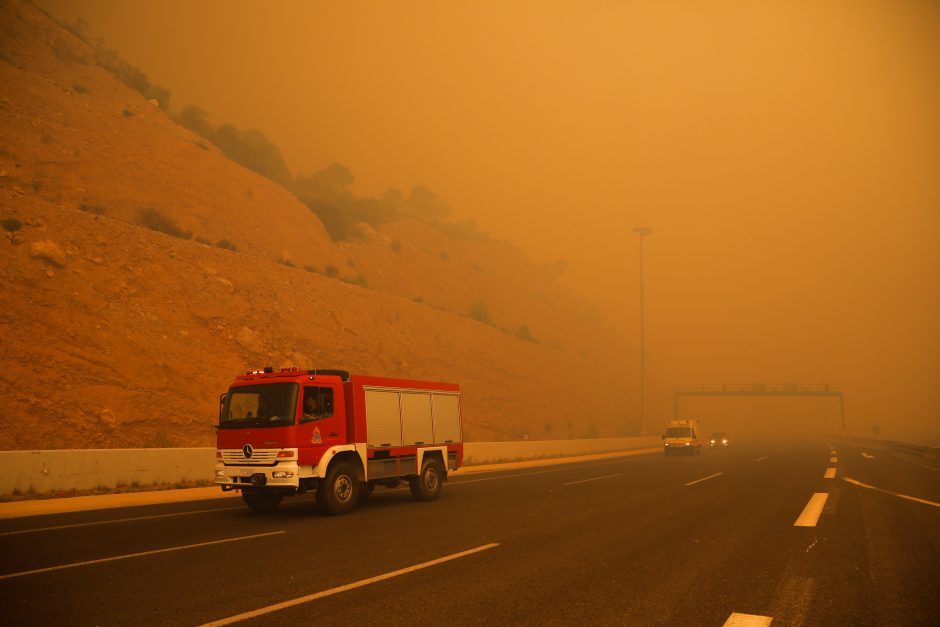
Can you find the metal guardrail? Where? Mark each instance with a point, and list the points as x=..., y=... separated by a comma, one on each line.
x=925, y=452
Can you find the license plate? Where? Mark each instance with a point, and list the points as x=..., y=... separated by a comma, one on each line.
x=245, y=472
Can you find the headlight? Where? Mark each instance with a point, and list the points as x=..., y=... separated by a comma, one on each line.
x=724, y=441
x=220, y=473
x=688, y=444
x=713, y=441
x=282, y=474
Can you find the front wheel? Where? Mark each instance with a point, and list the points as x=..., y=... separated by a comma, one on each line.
x=338, y=493
x=427, y=485
x=262, y=502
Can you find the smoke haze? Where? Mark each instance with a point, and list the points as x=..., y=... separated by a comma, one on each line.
x=785, y=157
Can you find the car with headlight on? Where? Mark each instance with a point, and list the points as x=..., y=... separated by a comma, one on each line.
x=719, y=439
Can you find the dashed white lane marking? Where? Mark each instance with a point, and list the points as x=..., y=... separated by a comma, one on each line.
x=141, y=554
x=832, y=451
x=760, y=459
x=897, y=494
x=704, y=478
x=813, y=509
x=833, y=460
x=830, y=473
x=747, y=620
x=118, y=520
x=867, y=456
x=619, y=474
x=350, y=586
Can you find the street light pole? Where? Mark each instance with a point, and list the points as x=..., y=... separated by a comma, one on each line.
x=642, y=231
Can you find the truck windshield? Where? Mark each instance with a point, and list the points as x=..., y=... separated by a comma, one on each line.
x=258, y=406
x=678, y=432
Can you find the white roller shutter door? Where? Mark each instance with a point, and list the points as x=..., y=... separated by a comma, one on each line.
x=446, y=418
x=383, y=417
x=416, y=425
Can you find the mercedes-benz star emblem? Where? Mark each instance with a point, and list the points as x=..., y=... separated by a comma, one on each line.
x=246, y=451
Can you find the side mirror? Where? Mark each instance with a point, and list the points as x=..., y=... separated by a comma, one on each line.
x=222, y=399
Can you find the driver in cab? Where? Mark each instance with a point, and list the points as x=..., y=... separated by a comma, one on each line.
x=314, y=407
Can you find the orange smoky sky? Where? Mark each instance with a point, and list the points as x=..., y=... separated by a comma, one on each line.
x=785, y=155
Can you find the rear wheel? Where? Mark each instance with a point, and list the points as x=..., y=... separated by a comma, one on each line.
x=427, y=485
x=339, y=492
x=263, y=502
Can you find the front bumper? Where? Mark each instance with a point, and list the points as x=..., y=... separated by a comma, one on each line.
x=679, y=448
x=285, y=474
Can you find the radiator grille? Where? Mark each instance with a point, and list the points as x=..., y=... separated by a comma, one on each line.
x=259, y=457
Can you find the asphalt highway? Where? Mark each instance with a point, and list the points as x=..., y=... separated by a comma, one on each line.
x=751, y=534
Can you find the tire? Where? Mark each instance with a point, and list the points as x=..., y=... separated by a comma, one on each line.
x=427, y=485
x=262, y=502
x=338, y=493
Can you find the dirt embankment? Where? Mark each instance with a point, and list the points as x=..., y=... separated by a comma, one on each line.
x=115, y=335
x=118, y=336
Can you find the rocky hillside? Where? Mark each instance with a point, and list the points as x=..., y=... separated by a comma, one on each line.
x=114, y=334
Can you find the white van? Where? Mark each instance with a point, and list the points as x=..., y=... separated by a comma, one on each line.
x=682, y=437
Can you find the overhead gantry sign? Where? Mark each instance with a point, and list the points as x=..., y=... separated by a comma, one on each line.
x=760, y=389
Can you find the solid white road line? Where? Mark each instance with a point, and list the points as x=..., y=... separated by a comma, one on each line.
x=141, y=554
x=704, y=478
x=897, y=494
x=118, y=520
x=813, y=509
x=619, y=474
x=830, y=473
x=833, y=460
x=350, y=586
x=747, y=620
x=760, y=459
x=867, y=456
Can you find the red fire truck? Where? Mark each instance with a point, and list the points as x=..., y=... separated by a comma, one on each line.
x=291, y=431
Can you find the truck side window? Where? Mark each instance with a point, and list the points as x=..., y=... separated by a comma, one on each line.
x=318, y=403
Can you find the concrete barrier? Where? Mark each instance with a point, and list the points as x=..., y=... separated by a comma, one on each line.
x=494, y=452
x=42, y=472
